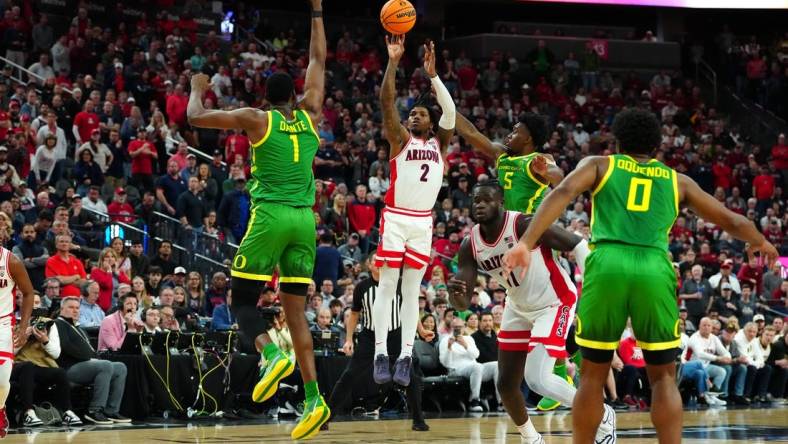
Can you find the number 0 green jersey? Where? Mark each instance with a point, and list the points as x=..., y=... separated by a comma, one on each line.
x=282, y=161
x=522, y=191
x=635, y=203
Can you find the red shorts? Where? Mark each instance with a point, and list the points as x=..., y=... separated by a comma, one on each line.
x=549, y=326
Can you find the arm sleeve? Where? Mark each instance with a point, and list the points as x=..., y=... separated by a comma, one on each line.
x=449, y=116
x=53, y=347
x=473, y=350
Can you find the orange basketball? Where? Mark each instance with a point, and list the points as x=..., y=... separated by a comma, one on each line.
x=398, y=16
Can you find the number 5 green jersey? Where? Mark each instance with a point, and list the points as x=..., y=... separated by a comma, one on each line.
x=635, y=203
x=522, y=191
x=282, y=161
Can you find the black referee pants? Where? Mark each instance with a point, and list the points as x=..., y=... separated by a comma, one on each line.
x=358, y=373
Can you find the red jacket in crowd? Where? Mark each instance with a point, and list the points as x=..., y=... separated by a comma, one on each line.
x=105, y=281
x=361, y=215
x=630, y=353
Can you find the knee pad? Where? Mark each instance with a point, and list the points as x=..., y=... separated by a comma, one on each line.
x=294, y=288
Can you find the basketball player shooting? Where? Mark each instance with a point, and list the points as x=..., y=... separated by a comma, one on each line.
x=539, y=308
x=416, y=157
x=281, y=228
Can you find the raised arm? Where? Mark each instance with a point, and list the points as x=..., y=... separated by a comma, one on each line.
x=448, y=118
x=251, y=120
x=478, y=141
x=314, y=84
x=396, y=134
x=582, y=179
x=462, y=284
x=555, y=238
x=736, y=225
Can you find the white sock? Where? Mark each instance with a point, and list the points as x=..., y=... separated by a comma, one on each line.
x=5, y=381
x=527, y=430
x=381, y=309
x=409, y=311
x=540, y=377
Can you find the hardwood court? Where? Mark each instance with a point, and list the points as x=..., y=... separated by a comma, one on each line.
x=702, y=426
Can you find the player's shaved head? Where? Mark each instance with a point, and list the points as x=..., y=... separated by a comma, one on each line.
x=491, y=185
x=279, y=88
x=487, y=202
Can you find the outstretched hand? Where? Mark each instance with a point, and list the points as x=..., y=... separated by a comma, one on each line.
x=766, y=250
x=396, y=46
x=539, y=165
x=519, y=256
x=201, y=83
x=429, y=58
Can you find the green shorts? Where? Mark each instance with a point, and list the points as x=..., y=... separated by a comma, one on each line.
x=623, y=281
x=277, y=235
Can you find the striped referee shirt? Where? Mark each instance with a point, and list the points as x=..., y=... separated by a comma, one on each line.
x=363, y=299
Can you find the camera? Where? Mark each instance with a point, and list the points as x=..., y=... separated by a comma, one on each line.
x=269, y=312
x=457, y=331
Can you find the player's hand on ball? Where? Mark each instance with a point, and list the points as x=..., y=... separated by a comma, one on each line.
x=396, y=46
x=200, y=82
x=519, y=256
x=429, y=58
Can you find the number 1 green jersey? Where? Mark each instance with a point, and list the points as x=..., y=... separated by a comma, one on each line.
x=635, y=203
x=282, y=161
x=522, y=191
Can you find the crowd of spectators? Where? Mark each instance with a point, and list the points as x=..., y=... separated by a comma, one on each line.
x=99, y=136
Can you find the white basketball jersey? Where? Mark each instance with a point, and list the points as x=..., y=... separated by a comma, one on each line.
x=416, y=175
x=7, y=285
x=545, y=282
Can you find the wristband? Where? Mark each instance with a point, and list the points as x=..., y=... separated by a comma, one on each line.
x=317, y=14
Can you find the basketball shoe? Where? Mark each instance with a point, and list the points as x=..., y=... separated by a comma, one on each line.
x=278, y=367
x=316, y=413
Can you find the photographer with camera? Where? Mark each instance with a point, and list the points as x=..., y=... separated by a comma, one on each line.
x=114, y=327
x=458, y=353
x=36, y=366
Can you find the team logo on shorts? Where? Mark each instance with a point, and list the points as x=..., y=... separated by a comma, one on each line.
x=562, y=321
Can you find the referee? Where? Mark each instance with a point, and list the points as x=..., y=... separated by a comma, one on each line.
x=359, y=369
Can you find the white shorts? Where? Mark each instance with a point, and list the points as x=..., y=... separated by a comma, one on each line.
x=6, y=340
x=405, y=237
x=522, y=330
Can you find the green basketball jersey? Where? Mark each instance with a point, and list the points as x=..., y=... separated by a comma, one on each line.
x=635, y=203
x=522, y=191
x=282, y=161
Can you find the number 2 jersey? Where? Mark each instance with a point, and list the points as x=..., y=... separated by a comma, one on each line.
x=545, y=283
x=635, y=203
x=416, y=175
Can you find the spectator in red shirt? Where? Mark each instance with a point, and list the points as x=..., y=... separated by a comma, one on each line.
x=119, y=209
x=85, y=122
x=361, y=214
x=176, y=106
x=722, y=174
x=773, y=232
x=236, y=144
x=468, y=76
x=779, y=154
x=142, y=153
x=447, y=248
x=106, y=273
x=633, y=371
x=751, y=272
x=763, y=189
x=66, y=268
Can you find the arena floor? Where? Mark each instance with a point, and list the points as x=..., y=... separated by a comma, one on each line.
x=701, y=426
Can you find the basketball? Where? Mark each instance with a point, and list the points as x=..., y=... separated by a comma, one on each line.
x=398, y=16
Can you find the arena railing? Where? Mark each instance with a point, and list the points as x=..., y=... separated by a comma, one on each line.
x=200, y=242
x=191, y=259
x=28, y=72
x=194, y=151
